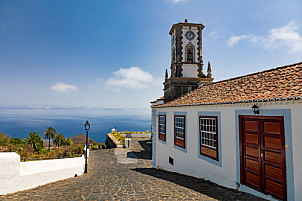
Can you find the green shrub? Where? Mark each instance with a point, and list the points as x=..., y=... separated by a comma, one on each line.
x=4, y=139
x=16, y=141
x=119, y=137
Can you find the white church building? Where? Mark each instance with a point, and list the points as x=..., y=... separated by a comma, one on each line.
x=243, y=133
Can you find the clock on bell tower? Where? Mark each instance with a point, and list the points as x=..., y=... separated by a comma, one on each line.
x=186, y=62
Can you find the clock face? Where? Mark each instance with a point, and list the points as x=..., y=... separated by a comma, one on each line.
x=190, y=35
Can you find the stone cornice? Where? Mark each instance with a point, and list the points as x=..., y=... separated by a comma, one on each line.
x=185, y=24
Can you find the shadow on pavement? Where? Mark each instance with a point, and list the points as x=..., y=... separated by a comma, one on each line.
x=144, y=153
x=139, y=155
x=199, y=185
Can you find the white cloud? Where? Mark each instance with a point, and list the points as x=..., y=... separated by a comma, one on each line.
x=176, y=1
x=283, y=37
x=133, y=77
x=63, y=88
x=235, y=39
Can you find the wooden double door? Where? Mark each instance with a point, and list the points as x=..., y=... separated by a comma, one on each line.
x=262, y=153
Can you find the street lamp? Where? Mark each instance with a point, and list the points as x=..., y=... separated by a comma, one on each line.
x=87, y=127
x=255, y=109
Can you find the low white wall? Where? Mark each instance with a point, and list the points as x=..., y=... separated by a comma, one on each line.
x=16, y=175
x=36, y=173
x=9, y=170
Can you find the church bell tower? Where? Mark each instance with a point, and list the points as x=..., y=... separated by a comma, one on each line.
x=186, y=62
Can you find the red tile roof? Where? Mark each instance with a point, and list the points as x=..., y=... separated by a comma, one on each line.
x=159, y=99
x=279, y=83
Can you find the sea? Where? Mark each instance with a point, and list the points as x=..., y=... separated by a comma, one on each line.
x=18, y=123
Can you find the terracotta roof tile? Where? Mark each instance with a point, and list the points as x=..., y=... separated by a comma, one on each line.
x=279, y=83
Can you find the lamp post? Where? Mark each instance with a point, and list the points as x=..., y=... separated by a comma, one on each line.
x=87, y=127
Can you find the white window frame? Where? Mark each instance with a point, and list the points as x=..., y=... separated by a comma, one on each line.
x=208, y=131
x=180, y=127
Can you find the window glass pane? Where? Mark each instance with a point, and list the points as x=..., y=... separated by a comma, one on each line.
x=162, y=124
x=179, y=127
x=208, y=131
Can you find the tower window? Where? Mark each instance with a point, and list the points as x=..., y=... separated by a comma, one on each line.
x=189, y=54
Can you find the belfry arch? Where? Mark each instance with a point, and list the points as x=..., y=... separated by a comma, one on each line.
x=190, y=53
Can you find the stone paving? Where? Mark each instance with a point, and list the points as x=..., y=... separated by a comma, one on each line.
x=126, y=174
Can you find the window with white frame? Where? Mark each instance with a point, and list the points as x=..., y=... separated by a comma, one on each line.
x=180, y=127
x=162, y=127
x=179, y=131
x=208, y=136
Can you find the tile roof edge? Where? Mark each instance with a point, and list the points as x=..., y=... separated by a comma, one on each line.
x=271, y=69
x=161, y=98
x=299, y=97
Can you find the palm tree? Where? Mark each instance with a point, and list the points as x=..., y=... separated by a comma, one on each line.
x=35, y=140
x=59, y=140
x=50, y=133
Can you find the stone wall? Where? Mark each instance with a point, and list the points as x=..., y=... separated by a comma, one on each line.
x=112, y=142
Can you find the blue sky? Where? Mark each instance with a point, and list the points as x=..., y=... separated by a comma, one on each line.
x=110, y=56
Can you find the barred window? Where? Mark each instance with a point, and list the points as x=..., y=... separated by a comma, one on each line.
x=162, y=127
x=208, y=136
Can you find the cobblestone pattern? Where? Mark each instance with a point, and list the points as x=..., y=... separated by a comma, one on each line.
x=126, y=174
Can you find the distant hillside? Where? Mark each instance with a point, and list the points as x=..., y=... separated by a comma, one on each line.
x=81, y=139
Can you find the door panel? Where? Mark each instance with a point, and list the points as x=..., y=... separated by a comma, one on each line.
x=271, y=127
x=251, y=151
x=251, y=164
x=262, y=154
x=253, y=179
x=251, y=138
x=272, y=157
x=272, y=142
x=273, y=172
x=251, y=125
x=274, y=188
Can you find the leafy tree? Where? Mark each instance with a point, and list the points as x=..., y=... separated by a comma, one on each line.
x=68, y=141
x=50, y=133
x=16, y=141
x=59, y=139
x=4, y=138
x=35, y=140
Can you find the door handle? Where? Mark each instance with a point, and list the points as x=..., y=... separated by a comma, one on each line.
x=261, y=155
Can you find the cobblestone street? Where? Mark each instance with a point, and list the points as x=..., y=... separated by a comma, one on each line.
x=126, y=174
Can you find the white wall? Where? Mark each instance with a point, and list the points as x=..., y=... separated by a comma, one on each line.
x=297, y=148
x=225, y=171
x=190, y=70
x=16, y=175
x=36, y=173
x=9, y=170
